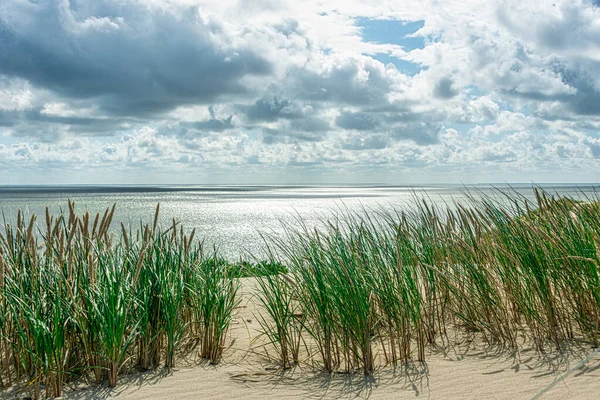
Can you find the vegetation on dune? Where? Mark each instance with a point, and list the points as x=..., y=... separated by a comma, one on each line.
x=386, y=286
x=79, y=298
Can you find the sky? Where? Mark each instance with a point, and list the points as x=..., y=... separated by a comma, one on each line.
x=299, y=92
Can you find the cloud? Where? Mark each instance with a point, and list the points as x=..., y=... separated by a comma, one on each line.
x=421, y=133
x=444, y=89
x=360, y=141
x=132, y=59
x=352, y=81
x=358, y=120
x=213, y=124
x=272, y=109
x=563, y=45
x=292, y=90
x=15, y=95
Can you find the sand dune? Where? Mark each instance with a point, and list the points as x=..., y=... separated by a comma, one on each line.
x=469, y=371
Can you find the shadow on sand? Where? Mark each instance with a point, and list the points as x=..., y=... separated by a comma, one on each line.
x=409, y=377
x=414, y=376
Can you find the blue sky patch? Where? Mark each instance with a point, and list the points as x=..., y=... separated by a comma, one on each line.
x=391, y=31
x=406, y=67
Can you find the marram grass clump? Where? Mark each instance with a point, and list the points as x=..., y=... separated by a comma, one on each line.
x=373, y=289
x=78, y=298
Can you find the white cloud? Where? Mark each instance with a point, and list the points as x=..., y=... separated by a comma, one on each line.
x=190, y=86
x=15, y=94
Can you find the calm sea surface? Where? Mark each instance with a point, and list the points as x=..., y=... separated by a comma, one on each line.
x=232, y=217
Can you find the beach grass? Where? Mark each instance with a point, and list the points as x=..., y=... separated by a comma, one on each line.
x=385, y=286
x=81, y=298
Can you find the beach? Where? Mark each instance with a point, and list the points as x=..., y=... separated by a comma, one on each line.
x=312, y=199
x=470, y=371
x=436, y=301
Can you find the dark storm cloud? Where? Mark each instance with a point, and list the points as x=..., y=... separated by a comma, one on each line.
x=131, y=59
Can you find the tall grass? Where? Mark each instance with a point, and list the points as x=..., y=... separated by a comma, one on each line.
x=378, y=289
x=280, y=319
x=79, y=298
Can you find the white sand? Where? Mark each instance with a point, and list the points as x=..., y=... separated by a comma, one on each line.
x=465, y=373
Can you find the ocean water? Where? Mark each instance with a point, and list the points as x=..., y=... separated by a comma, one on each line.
x=232, y=218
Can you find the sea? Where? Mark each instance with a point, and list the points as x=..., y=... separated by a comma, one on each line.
x=236, y=219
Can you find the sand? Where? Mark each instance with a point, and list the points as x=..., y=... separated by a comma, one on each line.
x=469, y=371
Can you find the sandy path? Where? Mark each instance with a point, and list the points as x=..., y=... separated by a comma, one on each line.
x=465, y=373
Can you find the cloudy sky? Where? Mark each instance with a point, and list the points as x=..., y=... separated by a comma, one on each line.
x=287, y=91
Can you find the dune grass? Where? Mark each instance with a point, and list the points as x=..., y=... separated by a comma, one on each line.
x=79, y=297
x=386, y=286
